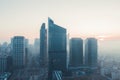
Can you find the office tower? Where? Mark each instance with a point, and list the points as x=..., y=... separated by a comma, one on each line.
x=76, y=52
x=43, y=45
x=91, y=52
x=18, y=45
x=37, y=46
x=56, y=48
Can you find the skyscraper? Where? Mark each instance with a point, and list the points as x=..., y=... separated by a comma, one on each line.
x=91, y=52
x=56, y=48
x=37, y=46
x=18, y=45
x=76, y=52
x=43, y=45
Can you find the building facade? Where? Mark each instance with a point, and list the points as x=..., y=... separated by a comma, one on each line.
x=91, y=53
x=5, y=64
x=18, y=48
x=76, y=52
x=56, y=48
x=43, y=45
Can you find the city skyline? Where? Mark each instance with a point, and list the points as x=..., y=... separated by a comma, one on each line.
x=53, y=59
x=59, y=39
x=81, y=18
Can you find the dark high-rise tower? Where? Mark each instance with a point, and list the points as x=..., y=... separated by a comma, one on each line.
x=76, y=52
x=91, y=52
x=18, y=45
x=43, y=45
x=56, y=48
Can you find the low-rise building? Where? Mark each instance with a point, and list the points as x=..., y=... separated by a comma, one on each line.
x=5, y=64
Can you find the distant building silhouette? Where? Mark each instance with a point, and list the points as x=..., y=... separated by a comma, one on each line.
x=43, y=45
x=37, y=46
x=56, y=48
x=18, y=45
x=91, y=52
x=4, y=48
x=76, y=52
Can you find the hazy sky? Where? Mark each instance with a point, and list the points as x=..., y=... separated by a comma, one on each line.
x=80, y=17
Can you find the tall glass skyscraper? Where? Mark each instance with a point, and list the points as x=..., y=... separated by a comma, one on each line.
x=56, y=48
x=91, y=53
x=43, y=45
x=76, y=52
x=18, y=45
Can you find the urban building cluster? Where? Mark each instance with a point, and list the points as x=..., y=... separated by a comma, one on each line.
x=54, y=56
x=110, y=68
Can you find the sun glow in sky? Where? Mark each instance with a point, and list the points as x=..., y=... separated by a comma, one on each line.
x=83, y=18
